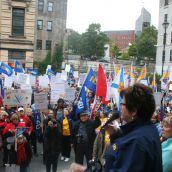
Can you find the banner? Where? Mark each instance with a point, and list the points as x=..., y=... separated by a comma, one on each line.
x=17, y=97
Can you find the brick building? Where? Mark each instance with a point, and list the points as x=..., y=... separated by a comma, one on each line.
x=122, y=38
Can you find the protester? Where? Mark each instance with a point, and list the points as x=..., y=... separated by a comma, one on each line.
x=137, y=147
x=84, y=136
x=33, y=139
x=52, y=145
x=167, y=144
x=24, y=153
x=59, y=108
x=66, y=127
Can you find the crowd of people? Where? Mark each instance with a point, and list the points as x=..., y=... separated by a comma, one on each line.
x=137, y=140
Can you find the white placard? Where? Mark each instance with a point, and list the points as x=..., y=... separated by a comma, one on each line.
x=41, y=100
x=170, y=87
x=158, y=97
x=82, y=78
x=57, y=90
x=64, y=75
x=32, y=80
x=76, y=74
x=69, y=93
x=22, y=78
x=26, y=87
x=43, y=81
x=8, y=81
x=67, y=68
x=17, y=97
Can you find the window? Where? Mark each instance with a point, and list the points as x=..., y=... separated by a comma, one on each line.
x=170, y=55
x=48, y=45
x=39, y=24
x=165, y=17
x=18, y=15
x=166, y=2
x=16, y=55
x=40, y=5
x=39, y=44
x=49, y=26
x=50, y=6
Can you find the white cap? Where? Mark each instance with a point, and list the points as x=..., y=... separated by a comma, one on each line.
x=20, y=109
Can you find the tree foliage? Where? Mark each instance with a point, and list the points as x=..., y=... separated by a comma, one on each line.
x=43, y=65
x=74, y=42
x=57, y=58
x=146, y=44
x=114, y=50
x=93, y=41
x=132, y=51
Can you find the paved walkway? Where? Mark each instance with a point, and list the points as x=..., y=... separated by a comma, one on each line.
x=37, y=165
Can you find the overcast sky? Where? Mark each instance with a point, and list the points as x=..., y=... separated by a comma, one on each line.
x=110, y=14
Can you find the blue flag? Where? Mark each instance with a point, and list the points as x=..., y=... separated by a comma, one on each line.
x=82, y=103
x=18, y=67
x=90, y=81
x=6, y=69
x=37, y=121
x=20, y=131
x=50, y=73
x=32, y=71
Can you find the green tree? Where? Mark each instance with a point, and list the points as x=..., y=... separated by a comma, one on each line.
x=132, y=51
x=146, y=44
x=114, y=50
x=57, y=58
x=43, y=65
x=125, y=56
x=74, y=42
x=93, y=41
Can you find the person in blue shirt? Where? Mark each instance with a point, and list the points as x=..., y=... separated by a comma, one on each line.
x=135, y=146
x=167, y=144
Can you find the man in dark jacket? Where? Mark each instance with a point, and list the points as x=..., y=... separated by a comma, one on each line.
x=52, y=145
x=84, y=136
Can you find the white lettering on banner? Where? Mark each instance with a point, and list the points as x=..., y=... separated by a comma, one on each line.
x=80, y=104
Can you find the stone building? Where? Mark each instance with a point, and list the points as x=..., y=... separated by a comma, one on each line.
x=17, y=23
x=50, y=26
x=164, y=43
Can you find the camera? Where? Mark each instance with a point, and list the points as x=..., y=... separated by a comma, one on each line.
x=79, y=138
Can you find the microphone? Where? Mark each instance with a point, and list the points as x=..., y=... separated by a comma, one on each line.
x=115, y=115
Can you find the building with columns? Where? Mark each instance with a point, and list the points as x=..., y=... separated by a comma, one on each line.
x=164, y=42
x=17, y=23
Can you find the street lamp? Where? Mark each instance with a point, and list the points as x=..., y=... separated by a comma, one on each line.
x=165, y=25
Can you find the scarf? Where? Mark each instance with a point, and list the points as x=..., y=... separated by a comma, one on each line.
x=21, y=153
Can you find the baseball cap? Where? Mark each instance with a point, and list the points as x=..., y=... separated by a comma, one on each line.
x=20, y=109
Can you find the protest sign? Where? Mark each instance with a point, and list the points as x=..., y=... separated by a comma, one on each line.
x=75, y=74
x=64, y=75
x=158, y=97
x=17, y=97
x=43, y=81
x=8, y=82
x=41, y=101
x=67, y=68
x=69, y=93
x=22, y=78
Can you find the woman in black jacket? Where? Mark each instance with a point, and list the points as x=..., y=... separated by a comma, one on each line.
x=52, y=145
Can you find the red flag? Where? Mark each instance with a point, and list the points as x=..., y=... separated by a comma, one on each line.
x=101, y=88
